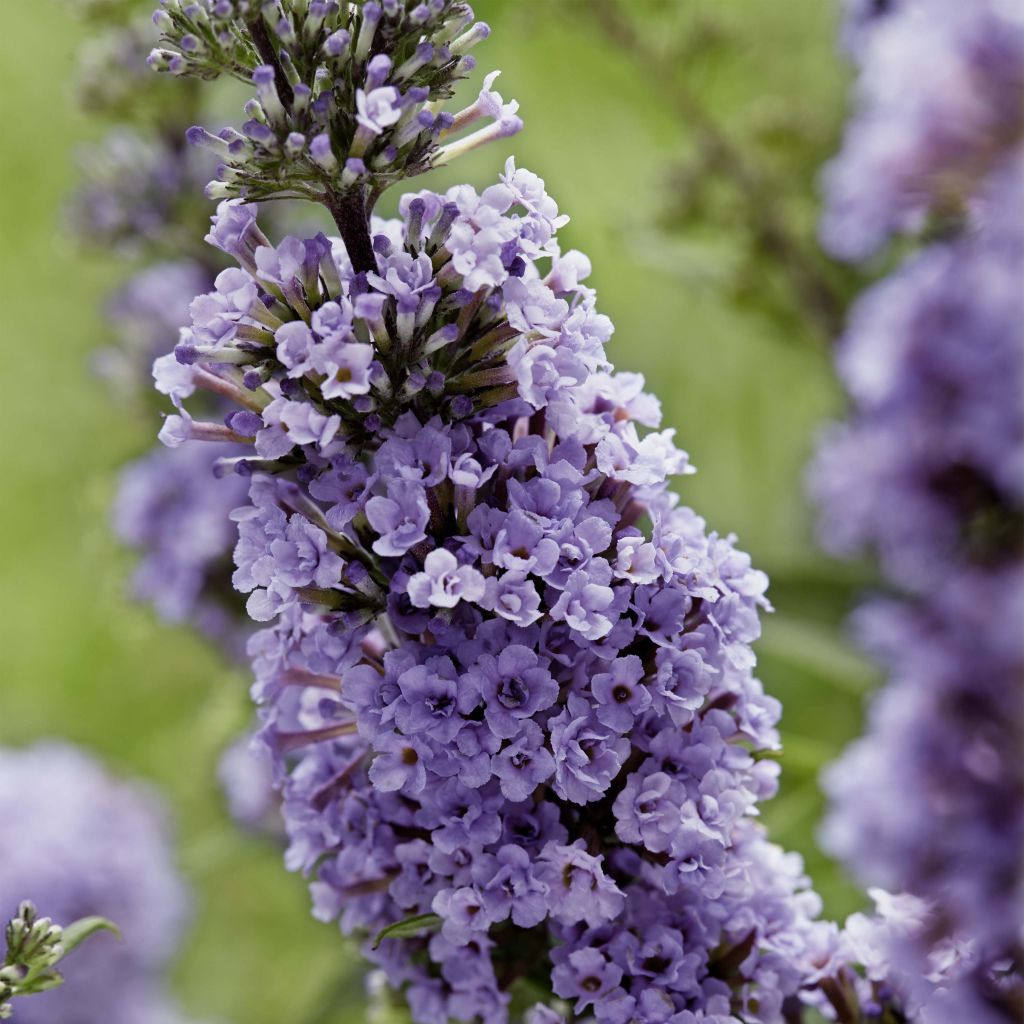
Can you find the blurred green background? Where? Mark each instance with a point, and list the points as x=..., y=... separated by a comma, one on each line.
x=684, y=140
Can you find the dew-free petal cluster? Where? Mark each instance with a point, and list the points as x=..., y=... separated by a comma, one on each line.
x=507, y=680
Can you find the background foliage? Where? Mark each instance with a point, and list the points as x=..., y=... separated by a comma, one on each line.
x=683, y=138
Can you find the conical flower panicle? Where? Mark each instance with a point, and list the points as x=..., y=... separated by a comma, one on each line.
x=506, y=681
x=509, y=686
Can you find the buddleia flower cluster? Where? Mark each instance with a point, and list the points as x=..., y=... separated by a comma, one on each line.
x=506, y=679
x=494, y=703
x=928, y=474
x=80, y=844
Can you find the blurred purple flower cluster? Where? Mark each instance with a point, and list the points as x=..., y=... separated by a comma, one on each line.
x=77, y=843
x=172, y=509
x=936, y=109
x=140, y=198
x=928, y=473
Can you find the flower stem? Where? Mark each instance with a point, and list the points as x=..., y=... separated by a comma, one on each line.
x=350, y=213
x=265, y=47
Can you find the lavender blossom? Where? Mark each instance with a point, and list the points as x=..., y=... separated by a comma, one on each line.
x=463, y=711
x=517, y=737
x=79, y=843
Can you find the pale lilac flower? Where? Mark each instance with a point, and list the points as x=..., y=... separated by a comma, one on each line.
x=377, y=109
x=400, y=519
x=580, y=890
x=444, y=583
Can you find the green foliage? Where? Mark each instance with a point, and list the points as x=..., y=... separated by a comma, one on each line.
x=409, y=926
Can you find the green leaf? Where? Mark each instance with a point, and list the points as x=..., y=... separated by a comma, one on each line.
x=41, y=982
x=77, y=932
x=409, y=927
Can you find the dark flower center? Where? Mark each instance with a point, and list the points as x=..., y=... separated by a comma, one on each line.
x=525, y=829
x=440, y=705
x=513, y=693
x=656, y=964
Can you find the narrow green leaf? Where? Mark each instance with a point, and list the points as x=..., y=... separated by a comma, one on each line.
x=410, y=926
x=43, y=982
x=80, y=930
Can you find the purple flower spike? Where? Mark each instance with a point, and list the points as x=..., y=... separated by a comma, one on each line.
x=488, y=695
x=927, y=473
